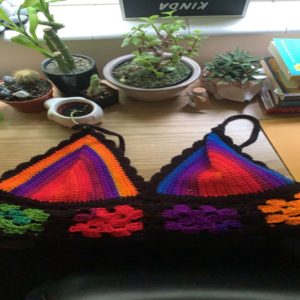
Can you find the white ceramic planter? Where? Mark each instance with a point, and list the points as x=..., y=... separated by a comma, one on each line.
x=151, y=95
x=232, y=91
x=53, y=105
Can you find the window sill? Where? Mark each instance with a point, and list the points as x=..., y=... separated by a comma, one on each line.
x=93, y=22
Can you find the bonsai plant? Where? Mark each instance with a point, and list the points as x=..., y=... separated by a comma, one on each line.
x=26, y=91
x=234, y=75
x=70, y=73
x=101, y=93
x=160, y=66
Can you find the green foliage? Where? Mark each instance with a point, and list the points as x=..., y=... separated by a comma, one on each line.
x=39, y=15
x=165, y=37
x=95, y=87
x=235, y=66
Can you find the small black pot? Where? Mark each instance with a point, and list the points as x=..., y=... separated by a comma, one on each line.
x=110, y=99
x=71, y=84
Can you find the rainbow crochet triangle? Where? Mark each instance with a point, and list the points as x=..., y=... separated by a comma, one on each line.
x=215, y=169
x=83, y=170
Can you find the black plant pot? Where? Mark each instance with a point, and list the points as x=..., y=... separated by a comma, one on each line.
x=71, y=84
x=106, y=99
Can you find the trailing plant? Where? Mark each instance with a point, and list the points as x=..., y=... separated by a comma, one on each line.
x=235, y=66
x=51, y=46
x=151, y=47
x=95, y=87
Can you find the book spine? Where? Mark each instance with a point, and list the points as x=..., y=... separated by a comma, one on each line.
x=273, y=51
x=288, y=50
x=278, y=110
x=289, y=104
x=276, y=85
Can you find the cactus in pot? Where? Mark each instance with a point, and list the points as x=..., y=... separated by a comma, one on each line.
x=101, y=92
x=25, y=90
x=95, y=87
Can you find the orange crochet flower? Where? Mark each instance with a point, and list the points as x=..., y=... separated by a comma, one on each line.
x=297, y=196
x=282, y=211
x=269, y=208
x=277, y=202
x=96, y=221
x=276, y=218
x=293, y=221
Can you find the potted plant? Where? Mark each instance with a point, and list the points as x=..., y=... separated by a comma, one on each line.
x=25, y=91
x=73, y=110
x=235, y=75
x=69, y=72
x=100, y=92
x=160, y=67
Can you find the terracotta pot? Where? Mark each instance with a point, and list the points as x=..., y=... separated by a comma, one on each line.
x=151, y=95
x=31, y=106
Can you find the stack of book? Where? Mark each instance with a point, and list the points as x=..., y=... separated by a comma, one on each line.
x=281, y=88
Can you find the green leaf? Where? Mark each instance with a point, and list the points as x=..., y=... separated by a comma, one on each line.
x=52, y=1
x=4, y=16
x=24, y=41
x=154, y=17
x=125, y=42
x=33, y=21
x=135, y=41
x=29, y=3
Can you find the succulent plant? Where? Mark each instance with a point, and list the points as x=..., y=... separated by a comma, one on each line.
x=26, y=77
x=165, y=37
x=95, y=87
x=235, y=66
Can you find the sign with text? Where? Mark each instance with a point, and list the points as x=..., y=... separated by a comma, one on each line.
x=146, y=8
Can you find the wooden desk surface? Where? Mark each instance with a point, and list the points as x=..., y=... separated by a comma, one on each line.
x=154, y=132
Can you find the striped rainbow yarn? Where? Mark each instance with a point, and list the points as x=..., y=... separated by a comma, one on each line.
x=217, y=170
x=85, y=170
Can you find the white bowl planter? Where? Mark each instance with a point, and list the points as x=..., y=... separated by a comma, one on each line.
x=151, y=95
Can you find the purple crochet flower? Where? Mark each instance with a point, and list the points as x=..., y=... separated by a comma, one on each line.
x=206, y=218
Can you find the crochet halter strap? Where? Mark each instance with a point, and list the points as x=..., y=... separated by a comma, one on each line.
x=85, y=188
x=215, y=167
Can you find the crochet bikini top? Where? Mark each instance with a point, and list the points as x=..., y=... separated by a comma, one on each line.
x=85, y=188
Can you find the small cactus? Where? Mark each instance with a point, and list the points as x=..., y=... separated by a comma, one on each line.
x=95, y=86
x=27, y=77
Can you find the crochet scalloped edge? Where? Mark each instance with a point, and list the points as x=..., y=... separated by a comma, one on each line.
x=175, y=161
x=130, y=171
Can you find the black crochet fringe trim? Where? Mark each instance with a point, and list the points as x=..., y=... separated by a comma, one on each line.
x=130, y=171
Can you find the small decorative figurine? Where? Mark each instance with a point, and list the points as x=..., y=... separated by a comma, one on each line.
x=199, y=98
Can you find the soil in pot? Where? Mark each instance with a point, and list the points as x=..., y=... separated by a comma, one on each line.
x=108, y=96
x=35, y=90
x=76, y=109
x=82, y=64
x=131, y=74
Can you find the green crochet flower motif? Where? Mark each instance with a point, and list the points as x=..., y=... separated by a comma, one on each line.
x=14, y=220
